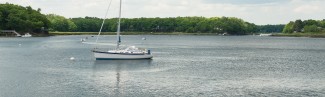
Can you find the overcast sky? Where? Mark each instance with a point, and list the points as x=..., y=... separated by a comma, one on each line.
x=254, y=11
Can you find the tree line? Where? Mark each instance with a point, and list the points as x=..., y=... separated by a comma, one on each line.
x=229, y=25
x=271, y=28
x=22, y=19
x=306, y=26
x=217, y=25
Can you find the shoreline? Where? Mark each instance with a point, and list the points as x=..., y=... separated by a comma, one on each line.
x=311, y=35
x=128, y=33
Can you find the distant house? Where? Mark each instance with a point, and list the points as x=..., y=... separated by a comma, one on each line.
x=9, y=33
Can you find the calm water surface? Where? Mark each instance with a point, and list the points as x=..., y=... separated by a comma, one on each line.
x=182, y=66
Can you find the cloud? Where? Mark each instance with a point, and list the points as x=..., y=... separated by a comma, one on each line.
x=245, y=1
x=312, y=7
x=307, y=9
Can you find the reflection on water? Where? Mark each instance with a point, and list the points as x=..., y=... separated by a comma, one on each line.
x=105, y=69
x=121, y=64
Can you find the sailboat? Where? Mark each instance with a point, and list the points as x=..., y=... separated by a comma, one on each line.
x=129, y=53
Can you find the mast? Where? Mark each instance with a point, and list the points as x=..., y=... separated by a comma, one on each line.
x=119, y=27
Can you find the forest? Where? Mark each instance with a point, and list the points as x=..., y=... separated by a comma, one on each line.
x=22, y=19
x=25, y=19
x=229, y=25
x=270, y=28
x=217, y=25
x=306, y=26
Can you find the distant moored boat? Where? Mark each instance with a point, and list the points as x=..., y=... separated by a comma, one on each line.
x=265, y=34
x=26, y=35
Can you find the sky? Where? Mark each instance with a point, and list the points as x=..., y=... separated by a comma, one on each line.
x=260, y=12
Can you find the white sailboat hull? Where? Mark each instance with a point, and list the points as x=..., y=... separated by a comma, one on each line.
x=116, y=56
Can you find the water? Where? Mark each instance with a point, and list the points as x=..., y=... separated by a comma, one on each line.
x=182, y=66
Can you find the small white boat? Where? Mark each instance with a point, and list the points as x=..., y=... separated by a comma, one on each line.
x=265, y=34
x=130, y=53
x=26, y=35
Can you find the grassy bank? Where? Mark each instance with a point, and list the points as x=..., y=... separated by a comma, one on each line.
x=129, y=33
x=313, y=35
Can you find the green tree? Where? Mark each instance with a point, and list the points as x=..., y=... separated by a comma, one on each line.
x=1, y=20
x=288, y=28
x=251, y=28
x=22, y=19
x=60, y=23
x=310, y=22
x=271, y=28
x=308, y=26
x=322, y=24
x=233, y=25
x=89, y=24
x=178, y=24
x=298, y=26
x=311, y=28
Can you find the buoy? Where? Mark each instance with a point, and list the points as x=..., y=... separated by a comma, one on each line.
x=72, y=58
